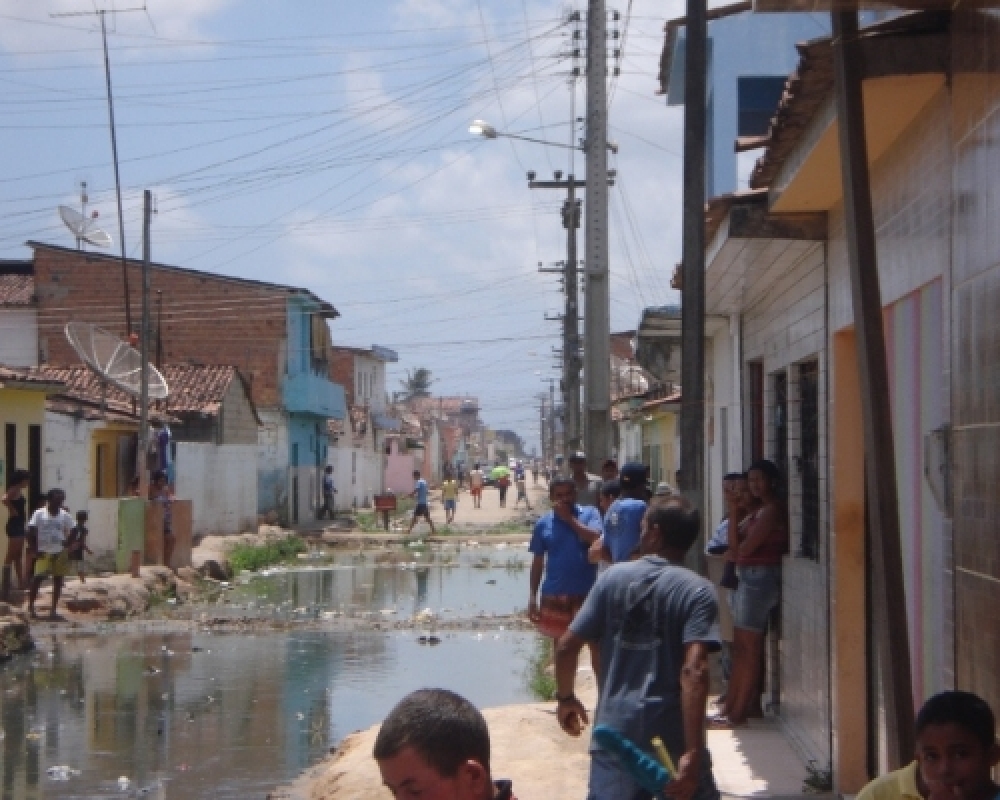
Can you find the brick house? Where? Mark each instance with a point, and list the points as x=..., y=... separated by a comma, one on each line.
x=276, y=336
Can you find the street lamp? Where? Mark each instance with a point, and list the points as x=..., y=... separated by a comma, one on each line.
x=482, y=128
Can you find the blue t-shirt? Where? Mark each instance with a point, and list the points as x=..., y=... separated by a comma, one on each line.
x=328, y=484
x=623, y=527
x=643, y=613
x=567, y=570
x=421, y=488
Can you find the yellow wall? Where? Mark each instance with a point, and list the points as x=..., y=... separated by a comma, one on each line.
x=661, y=430
x=20, y=407
x=108, y=438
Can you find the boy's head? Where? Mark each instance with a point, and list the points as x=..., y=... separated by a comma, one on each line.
x=435, y=745
x=669, y=528
x=956, y=745
x=416, y=474
x=610, y=491
x=329, y=470
x=82, y=517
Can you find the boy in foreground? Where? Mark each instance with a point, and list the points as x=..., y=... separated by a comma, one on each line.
x=956, y=751
x=435, y=745
x=48, y=533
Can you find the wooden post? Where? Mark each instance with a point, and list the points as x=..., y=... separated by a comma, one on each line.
x=692, y=420
x=885, y=558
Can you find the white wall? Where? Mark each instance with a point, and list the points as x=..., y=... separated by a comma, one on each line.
x=272, y=462
x=357, y=474
x=103, y=524
x=66, y=460
x=369, y=383
x=19, y=337
x=221, y=482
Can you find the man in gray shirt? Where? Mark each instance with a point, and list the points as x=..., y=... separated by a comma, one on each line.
x=588, y=487
x=656, y=622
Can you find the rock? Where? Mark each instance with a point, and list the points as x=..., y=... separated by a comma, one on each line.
x=189, y=574
x=15, y=635
x=216, y=571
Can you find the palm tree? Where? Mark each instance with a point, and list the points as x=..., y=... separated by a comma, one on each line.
x=417, y=384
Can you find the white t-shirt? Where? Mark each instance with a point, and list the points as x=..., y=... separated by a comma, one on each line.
x=52, y=530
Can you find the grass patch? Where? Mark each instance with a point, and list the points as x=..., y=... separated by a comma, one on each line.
x=541, y=680
x=253, y=557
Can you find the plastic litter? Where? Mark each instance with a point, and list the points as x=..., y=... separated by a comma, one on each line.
x=123, y=783
x=61, y=773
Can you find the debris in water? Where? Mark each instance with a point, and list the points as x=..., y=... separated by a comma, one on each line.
x=61, y=773
x=123, y=784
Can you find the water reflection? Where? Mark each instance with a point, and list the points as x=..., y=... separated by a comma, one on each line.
x=200, y=715
x=457, y=583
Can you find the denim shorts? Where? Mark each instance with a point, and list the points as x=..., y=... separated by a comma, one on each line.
x=758, y=593
x=609, y=781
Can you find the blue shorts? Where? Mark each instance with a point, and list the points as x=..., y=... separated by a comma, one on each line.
x=608, y=781
x=450, y=505
x=759, y=592
x=422, y=511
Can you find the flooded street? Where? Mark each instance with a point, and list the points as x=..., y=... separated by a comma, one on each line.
x=198, y=714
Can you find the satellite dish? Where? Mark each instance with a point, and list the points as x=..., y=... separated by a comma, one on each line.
x=114, y=360
x=84, y=228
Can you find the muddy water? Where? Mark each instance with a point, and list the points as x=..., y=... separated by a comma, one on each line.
x=192, y=715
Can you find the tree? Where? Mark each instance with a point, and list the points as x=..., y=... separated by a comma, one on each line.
x=417, y=384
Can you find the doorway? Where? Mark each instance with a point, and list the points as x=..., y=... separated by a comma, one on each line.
x=808, y=458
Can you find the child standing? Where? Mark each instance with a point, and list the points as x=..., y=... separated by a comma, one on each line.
x=522, y=491
x=77, y=543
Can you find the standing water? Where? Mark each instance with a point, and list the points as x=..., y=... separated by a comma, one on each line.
x=196, y=714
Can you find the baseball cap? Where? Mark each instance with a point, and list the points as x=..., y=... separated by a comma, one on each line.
x=632, y=475
x=578, y=455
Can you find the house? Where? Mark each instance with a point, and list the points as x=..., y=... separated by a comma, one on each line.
x=749, y=58
x=778, y=273
x=357, y=450
x=276, y=336
x=22, y=421
x=18, y=315
x=92, y=437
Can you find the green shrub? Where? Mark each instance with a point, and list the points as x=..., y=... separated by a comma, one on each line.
x=541, y=680
x=253, y=557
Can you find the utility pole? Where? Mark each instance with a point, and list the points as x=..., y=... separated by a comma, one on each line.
x=552, y=418
x=597, y=300
x=542, y=397
x=571, y=362
x=147, y=212
x=692, y=422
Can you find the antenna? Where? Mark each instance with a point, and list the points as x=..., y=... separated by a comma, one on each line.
x=113, y=360
x=84, y=229
x=101, y=14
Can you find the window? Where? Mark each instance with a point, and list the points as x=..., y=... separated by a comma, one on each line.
x=10, y=450
x=779, y=409
x=35, y=465
x=808, y=460
x=755, y=411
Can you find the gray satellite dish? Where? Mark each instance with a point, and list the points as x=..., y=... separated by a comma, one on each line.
x=114, y=360
x=84, y=228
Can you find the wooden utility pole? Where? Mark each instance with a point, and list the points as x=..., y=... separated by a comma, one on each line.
x=885, y=554
x=692, y=421
x=597, y=298
x=147, y=213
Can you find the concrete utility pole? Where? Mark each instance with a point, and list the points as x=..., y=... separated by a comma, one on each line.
x=541, y=427
x=552, y=418
x=597, y=302
x=692, y=422
x=147, y=213
x=885, y=559
x=571, y=362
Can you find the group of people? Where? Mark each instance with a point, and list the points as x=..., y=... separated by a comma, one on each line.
x=51, y=544
x=607, y=573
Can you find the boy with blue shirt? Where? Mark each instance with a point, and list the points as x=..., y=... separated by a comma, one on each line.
x=559, y=543
x=422, y=509
x=623, y=519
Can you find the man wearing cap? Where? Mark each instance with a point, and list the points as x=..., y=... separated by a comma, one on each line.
x=623, y=520
x=588, y=487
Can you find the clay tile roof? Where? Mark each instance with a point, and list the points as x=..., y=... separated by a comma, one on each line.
x=198, y=388
x=14, y=375
x=82, y=385
x=17, y=290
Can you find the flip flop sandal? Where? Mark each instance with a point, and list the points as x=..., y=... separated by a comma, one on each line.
x=722, y=723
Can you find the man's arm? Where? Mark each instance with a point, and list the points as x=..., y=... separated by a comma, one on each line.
x=32, y=539
x=598, y=551
x=570, y=711
x=534, y=581
x=694, y=697
x=585, y=534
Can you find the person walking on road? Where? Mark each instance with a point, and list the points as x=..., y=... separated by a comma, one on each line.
x=503, y=484
x=588, y=487
x=522, y=492
x=655, y=623
x=48, y=534
x=476, y=480
x=449, y=499
x=17, y=523
x=422, y=509
x=559, y=544
x=329, y=494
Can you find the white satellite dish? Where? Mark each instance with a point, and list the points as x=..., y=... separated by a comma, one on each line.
x=114, y=360
x=84, y=228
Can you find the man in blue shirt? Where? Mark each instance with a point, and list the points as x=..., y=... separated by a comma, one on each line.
x=559, y=543
x=655, y=623
x=623, y=519
x=422, y=509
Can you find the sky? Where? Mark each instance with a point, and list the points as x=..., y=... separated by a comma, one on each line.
x=326, y=145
